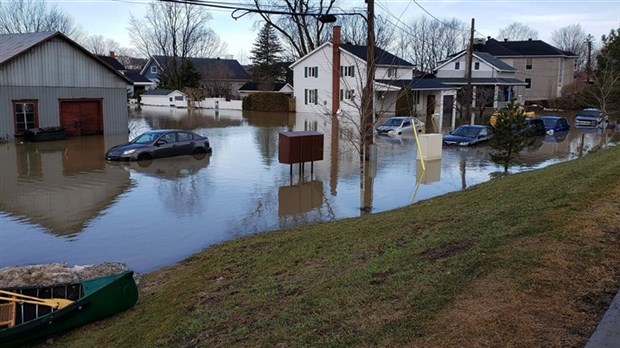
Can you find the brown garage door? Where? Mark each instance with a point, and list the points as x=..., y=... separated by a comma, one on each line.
x=81, y=116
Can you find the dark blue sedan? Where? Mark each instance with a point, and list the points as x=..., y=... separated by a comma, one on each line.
x=468, y=135
x=555, y=124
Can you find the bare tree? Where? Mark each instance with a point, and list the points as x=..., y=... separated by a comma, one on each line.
x=98, y=44
x=300, y=31
x=517, y=32
x=429, y=41
x=29, y=16
x=605, y=85
x=175, y=30
x=355, y=31
x=572, y=38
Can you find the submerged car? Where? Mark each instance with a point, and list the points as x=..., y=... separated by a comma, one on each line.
x=535, y=125
x=398, y=125
x=160, y=143
x=555, y=124
x=468, y=135
x=590, y=117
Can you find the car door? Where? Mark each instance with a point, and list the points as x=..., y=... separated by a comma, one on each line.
x=185, y=143
x=165, y=145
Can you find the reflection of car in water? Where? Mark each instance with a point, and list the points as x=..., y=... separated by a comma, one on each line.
x=468, y=135
x=535, y=125
x=160, y=143
x=168, y=168
x=556, y=137
x=398, y=125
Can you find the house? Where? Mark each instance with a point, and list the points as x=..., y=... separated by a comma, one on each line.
x=253, y=87
x=220, y=77
x=491, y=78
x=331, y=78
x=47, y=79
x=139, y=82
x=544, y=68
x=164, y=97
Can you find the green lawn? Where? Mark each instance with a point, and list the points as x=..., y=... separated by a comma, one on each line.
x=525, y=260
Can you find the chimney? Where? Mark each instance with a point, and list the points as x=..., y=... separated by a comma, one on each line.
x=530, y=39
x=336, y=70
x=505, y=40
x=112, y=54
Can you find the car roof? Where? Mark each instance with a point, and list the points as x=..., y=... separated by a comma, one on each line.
x=552, y=117
x=472, y=126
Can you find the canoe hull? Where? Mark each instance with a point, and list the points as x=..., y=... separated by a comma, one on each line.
x=103, y=297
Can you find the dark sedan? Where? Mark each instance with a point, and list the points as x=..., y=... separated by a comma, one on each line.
x=468, y=135
x=555, y=124
x=160, y=143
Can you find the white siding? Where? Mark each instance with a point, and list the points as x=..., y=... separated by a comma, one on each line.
x=322, y=83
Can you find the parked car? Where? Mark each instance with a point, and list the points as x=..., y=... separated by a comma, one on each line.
x=468, y=135
x=535, y=125
x=590, y=117
x=160, y=143
x=398, y=125
x=555, y=124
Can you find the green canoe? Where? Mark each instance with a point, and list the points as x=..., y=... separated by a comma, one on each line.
x=91, y=300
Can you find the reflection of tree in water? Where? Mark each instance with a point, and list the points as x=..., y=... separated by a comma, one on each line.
x=183, y=196
x=267, y=140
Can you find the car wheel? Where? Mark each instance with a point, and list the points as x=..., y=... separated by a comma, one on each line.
x=144, y=157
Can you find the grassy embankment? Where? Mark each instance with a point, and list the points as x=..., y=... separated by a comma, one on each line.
x=531, y=259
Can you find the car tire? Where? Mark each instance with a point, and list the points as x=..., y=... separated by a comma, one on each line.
x=144, y=157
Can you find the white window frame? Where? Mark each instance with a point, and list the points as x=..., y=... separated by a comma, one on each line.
x=311, y=96
x=311, y=71
x=392, y=72
x=153, y=69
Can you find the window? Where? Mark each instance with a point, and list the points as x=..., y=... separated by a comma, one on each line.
x=25, y=115
x=528, y=64
x=170, y=99
x=529, y=83
x=311, y=96
x=184, y=136
x=347, y=71
x=154, y=69
x=392, y=72
x=348, y=94
x=169, y=137
x=457, y=65
x=311, y=71
x=311, y=125
x=178, y=97
x=477, y=66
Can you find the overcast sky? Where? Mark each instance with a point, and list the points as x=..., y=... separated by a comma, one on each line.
x=110, y=17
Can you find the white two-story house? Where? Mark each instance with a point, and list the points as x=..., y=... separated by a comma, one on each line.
x=492, y=80
x=331, y=78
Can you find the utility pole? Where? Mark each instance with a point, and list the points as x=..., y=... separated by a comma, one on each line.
x=367, y=98
x=589, y=63
x=468, y=92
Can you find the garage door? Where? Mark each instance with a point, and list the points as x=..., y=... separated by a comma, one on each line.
x=81, y=117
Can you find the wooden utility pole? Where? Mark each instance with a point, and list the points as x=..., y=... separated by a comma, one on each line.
x=468, y=92
x=367, y=99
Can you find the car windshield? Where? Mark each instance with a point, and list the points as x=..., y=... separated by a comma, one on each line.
x=393, y=122
x=145, y=138
x=590, y=113
x=466, y=131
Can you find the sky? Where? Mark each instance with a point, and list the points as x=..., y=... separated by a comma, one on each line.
x=597, y=17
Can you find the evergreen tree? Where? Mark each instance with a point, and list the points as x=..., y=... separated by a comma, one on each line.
x=510, y=135
x=266, y=56
x=186, y=76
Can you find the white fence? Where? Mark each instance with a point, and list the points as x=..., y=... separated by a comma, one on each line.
x=219, y=104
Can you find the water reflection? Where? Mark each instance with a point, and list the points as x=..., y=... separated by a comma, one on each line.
x=160, y=212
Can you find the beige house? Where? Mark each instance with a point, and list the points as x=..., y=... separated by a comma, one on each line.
x=544, y=68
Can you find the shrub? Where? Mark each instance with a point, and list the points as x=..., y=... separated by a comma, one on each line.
x=266, y=101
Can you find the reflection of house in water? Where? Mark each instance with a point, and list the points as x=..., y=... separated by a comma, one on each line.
x=165, y=118
x=59, y=185
x=300, y=199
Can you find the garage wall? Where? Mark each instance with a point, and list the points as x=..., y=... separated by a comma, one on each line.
x=114, y=100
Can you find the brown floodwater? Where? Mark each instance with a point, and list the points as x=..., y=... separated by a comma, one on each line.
x=60, y=201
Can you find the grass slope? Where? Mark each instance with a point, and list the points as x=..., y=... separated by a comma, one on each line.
x=526, y=260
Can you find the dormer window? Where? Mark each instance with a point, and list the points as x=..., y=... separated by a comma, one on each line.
x=153, y=69
x=457, y=65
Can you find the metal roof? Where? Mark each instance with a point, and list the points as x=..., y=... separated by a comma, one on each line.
x=481, y=81
x=381, y=57
x=14, y=45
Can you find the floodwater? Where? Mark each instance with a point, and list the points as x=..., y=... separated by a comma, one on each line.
x=61, y=202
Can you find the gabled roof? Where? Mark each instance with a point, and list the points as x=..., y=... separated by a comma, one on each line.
x=418, y=84
x=16, y=45
x=161, y=92
x=381, y=57
x=137, y=78
x=484, y=56
x=254, y=86
x=111, y=61
x=520, y=48
x=237, y=72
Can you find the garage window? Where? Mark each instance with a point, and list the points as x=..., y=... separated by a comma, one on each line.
x=26, y=115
